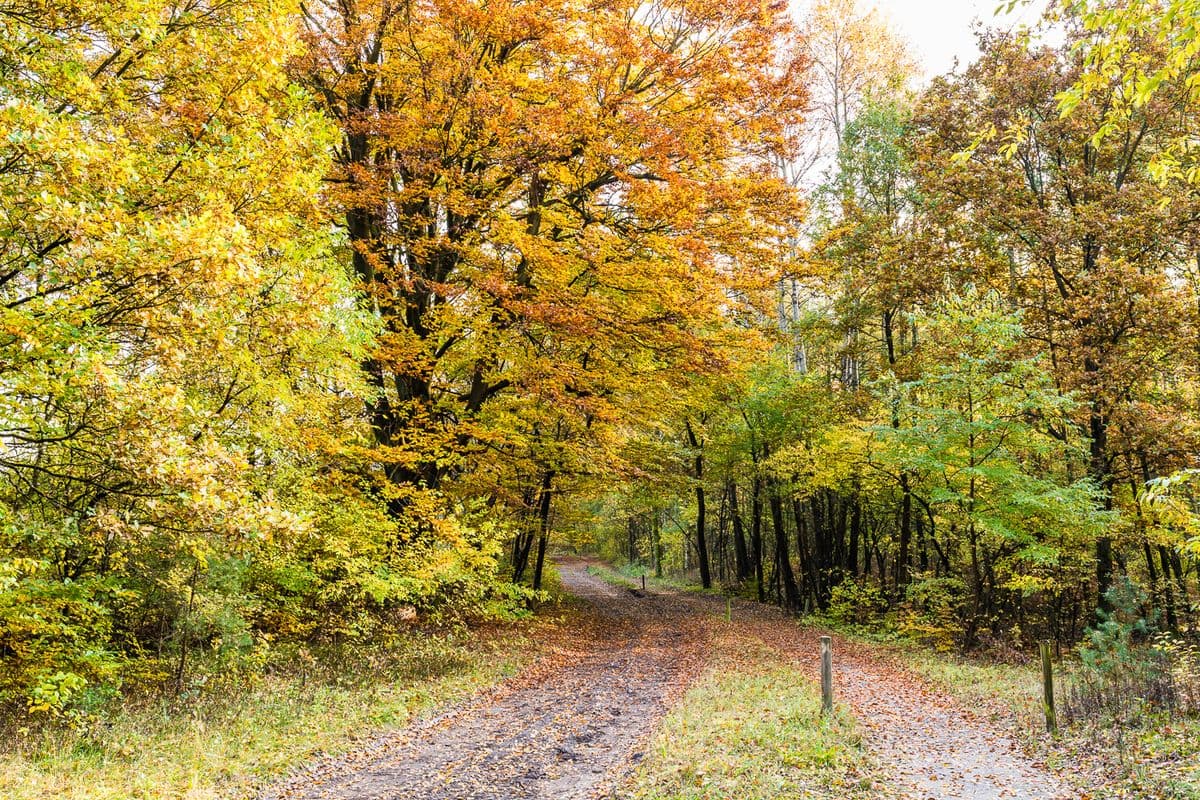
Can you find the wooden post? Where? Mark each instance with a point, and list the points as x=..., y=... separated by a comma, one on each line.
x=729, y=609
x=1048, y=688
x=826, y=675
x=643, y=581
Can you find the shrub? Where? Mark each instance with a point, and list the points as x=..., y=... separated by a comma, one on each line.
x=932, y=612
x=858, y=602
x=1127, y=667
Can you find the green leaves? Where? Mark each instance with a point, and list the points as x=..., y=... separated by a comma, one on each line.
x=973, y=431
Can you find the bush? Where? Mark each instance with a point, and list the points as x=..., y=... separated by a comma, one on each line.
x=53, y=636
x=932, y=612
x=859, y=602
x=1127, y=668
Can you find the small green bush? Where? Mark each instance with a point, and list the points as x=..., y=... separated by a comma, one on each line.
x=1128, y=668
x=932, y=612
x=858, y=602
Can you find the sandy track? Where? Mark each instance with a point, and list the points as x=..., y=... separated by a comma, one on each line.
x=928, y=747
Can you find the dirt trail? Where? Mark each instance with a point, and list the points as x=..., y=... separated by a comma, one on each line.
x=566, y=729
x=936, y=749
x=572, y=726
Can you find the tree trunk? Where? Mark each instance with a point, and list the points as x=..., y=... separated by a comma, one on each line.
x=905, y=534
x=1168, y=593
x=855, y=532
x=741, y=556
x=790, y=594
x=756, y=539
x=544, y=525
x=701, y=547
x=656, y=544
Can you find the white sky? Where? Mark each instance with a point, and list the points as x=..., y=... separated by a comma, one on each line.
x=940, y=30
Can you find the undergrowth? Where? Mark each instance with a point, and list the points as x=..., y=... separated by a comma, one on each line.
x=209, y=744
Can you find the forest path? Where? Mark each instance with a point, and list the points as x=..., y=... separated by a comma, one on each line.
x=572, y=727
x=568, y=728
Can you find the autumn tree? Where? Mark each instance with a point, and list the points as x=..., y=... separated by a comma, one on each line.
x=1134, y=51
x=987, y=438
x=547, y=201
x=854, y=55
x=178, y=342
x=1073, y=233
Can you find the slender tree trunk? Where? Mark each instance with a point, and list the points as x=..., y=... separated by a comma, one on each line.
x=905, y=534
x=808, y=565
x=1098, y=467
x=701, y=546
x=544, y=528
x=905, y=483
x=656, y=543
x=790, y=594
x=741, y=556
x=756, y=539
x=1168, y=593
x=855, y=532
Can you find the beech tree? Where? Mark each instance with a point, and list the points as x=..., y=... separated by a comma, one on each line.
x=1073, y=232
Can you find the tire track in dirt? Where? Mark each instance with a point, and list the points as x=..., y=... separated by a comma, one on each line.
x=568, y=728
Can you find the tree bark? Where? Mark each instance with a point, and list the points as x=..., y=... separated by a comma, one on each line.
x=740, y=554
x=544, y=527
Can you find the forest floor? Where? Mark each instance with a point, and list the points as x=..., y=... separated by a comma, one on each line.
x=651, y=687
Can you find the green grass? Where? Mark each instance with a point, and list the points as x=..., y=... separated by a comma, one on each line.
x=752, y=730
x=227, y=743
x=615, y=577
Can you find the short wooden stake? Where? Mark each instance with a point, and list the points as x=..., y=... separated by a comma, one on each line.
x=729, y=609
x=1048, y=688
x=826, y=675
x=643, y=582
